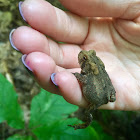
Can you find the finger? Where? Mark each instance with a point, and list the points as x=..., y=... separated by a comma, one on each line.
x=70, y=88
x=54, y=22
x=126, y=9
x=43, y=66
x=130, y=31
x=28, y=40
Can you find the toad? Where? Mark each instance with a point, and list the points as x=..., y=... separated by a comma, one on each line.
x=95, y=84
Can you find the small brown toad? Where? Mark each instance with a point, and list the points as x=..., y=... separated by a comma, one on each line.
x=95, y=83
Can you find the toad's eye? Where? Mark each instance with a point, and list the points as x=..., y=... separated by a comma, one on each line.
x=85, y=57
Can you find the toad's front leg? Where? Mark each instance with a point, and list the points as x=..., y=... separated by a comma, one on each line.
x=80, y=77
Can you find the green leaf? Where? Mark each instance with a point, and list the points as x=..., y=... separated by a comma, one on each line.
x=47, y=108
x=10, y=110
x=60, y=131
x=49, y=119
x=18, y=137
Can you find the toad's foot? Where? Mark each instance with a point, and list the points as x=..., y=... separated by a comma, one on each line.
x=84, y=125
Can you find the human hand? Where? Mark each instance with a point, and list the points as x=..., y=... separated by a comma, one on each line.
x=115, y=39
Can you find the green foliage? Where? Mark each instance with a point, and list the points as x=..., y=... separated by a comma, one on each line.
x=46, y=106
x=18, y=137
x=49, y=117
x=10, y=110
x=4, y=23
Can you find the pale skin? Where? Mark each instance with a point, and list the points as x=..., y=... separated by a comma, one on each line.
x=116, y=41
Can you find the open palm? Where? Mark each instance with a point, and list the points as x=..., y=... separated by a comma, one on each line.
x=115, y=36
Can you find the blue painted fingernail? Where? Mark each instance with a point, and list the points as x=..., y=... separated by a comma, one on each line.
x=23, y=61
x=20, y=11
x=10, y=39
x=53, y=78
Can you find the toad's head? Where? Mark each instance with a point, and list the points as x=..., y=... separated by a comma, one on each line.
x=86, y=61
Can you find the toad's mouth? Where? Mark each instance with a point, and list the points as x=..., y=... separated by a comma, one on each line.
x=82, y=64
x=80, y=61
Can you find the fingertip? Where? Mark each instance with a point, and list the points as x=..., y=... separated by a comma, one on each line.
x=41, y=64
x=70, y=88
x=28, y=40
x=37, y=12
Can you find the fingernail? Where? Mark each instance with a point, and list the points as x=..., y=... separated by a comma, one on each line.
x=53, y=79
x=20, y=11
x=10, y=39
x=23, y=58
